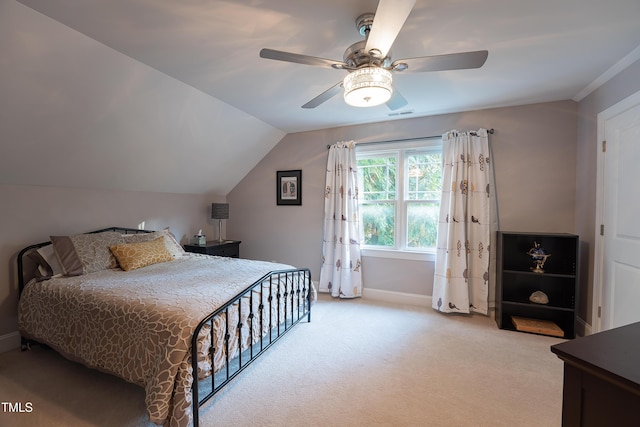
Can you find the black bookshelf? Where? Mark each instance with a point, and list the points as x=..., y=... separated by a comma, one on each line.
x=516, y=280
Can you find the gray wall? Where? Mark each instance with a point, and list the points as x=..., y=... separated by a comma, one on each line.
x=544, y=154
x=76, y=113
x=615, y=90
x=534, y=150
x=30, y=214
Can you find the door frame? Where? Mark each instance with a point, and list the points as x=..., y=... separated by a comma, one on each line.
x=598, y=258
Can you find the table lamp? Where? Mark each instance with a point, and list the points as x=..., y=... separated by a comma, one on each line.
x=220, y=211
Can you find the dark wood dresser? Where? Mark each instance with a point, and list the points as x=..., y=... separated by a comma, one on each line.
x=602, y=378
x=228, y=248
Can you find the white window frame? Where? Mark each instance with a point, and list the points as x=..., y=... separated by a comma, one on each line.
x=402, y=150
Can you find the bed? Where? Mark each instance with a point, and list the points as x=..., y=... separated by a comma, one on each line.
x=132, y=303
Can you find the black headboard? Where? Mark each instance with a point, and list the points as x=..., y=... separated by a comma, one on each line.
x=26, y=269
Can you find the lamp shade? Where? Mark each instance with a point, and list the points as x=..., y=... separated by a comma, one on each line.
x=220, y=211
x=367, y=87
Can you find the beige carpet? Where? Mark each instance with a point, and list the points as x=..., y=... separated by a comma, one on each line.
x=358, y=363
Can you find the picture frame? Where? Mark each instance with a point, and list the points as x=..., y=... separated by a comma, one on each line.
x=289, y=187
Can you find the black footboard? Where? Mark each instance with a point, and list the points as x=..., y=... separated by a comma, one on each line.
x=232, y=337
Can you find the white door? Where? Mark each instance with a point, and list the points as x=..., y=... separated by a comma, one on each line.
x=620, y=208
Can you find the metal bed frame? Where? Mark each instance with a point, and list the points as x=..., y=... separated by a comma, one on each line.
x=297, y=306
x=25, y=251
x=296, y=301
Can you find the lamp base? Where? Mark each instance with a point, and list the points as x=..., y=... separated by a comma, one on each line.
x=220, y=239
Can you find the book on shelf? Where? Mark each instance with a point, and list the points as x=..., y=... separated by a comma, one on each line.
x=537, y=326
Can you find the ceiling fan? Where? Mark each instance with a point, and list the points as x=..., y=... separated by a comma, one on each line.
x=369, y=63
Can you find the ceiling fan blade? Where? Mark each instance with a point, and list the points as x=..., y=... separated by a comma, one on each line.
x=452, y=61
x=396, y=101
x=279, y=55
x=389, y=19
x=324, y=96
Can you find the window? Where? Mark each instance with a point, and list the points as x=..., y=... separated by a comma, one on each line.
x=399, y=196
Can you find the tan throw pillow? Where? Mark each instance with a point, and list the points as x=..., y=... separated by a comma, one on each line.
x=169, y=240
x=136, y=255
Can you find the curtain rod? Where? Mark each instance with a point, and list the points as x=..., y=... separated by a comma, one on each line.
x=489, y=131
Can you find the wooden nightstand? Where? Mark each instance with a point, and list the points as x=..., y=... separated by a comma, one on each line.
x=228, y=248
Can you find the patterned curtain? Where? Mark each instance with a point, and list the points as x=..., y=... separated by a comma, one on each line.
x=461, y=279
x=341, y=267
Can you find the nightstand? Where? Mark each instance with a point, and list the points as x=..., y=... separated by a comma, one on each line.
x=228, y=248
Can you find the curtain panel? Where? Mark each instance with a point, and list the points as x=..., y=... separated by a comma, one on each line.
x=461, y=278
x=340, y=273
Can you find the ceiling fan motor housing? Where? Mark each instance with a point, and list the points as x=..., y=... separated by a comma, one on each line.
x=364, y=23
x=356, y=57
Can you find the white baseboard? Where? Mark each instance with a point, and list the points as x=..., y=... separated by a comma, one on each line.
x=408, y=299
x=397, y=297
x=10, y=341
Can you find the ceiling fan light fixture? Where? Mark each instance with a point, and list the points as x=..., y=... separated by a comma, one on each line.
x=367, y=87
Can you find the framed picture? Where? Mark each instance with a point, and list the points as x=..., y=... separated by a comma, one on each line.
x=289, y=187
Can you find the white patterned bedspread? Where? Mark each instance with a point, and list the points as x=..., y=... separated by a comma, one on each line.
x=138, y=324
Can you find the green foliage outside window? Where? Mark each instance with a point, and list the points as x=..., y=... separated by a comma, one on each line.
x=422, y=225
x=424, y=185
x=380, y=201
x=378, y=178
x=378, y=224
x=425, y=176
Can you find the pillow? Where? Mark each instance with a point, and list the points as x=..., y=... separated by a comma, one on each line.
x=47, y=262
x=86, y=253
x=174, y=248
x=44, y=271
x=49, y=256
x=136, y=255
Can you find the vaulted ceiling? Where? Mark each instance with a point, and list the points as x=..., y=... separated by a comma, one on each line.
x=542, y=50
x=172, y=96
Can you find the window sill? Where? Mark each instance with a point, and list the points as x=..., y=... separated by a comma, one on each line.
x=396, y=254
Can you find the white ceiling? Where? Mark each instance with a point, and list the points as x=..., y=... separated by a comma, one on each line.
x=539, y=51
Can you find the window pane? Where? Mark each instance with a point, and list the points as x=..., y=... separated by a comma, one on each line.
x=378, y=223
x=424, y=176
x=378, y=177
x=422, y=225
